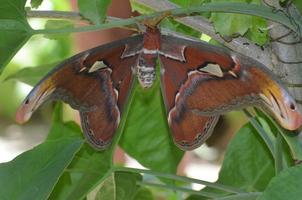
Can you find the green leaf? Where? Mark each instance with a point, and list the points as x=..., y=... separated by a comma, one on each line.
x=287, y=185
x=58, y=24
x=247, y=164
x=31, y=75
x=294, y=144
x=258, y=31
x=87, y=170
x=290, y=137
x=232, y=24
x=119, y=186
x=227, y=24
x=189, y=3
x=33, y=174
x=14, y=29
x=146, y=136
x=94, y=10
x=298, y=4
x=143, y=194
x=107, y=190
x=35, y=3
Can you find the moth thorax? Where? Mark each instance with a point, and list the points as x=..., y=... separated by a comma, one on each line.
x=145, y=75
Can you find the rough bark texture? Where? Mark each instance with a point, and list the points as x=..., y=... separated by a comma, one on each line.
x=287, y=53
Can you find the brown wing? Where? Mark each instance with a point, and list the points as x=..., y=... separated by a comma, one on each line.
x=95, y=82
x=201, y=81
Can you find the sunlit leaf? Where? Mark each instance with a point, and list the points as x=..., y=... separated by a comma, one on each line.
x=94, y=10
x=57, y=24
x=31, y=75
x=14, y=29
x=35, y=3
x=33, y=174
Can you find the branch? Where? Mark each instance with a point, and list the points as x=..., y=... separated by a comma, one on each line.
x=55, y=14
x=203, y=25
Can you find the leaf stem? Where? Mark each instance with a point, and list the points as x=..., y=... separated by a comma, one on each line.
x=261, y=132
x=249, y=195
x=54, y=14
x=181, y=178
x=278, y=154
x=121, y=127
x=170, y=187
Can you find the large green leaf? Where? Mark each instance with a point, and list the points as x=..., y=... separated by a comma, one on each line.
x=87, y=170
x=248, y=163
x=146, y=136
x=14, y=29
x=287, y=185
x=94, y=10
x=33, y=174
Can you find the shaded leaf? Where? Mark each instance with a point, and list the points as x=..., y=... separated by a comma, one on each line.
x=86, y=171
x=146, y=136
x=35, y=3
x=298, y=4
x=31, y=75
x=94, y=10
x=14, y=29
x=107, y=190
x=247, y=164
x=143, y=194
x=287, y=185
x=294, y=144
